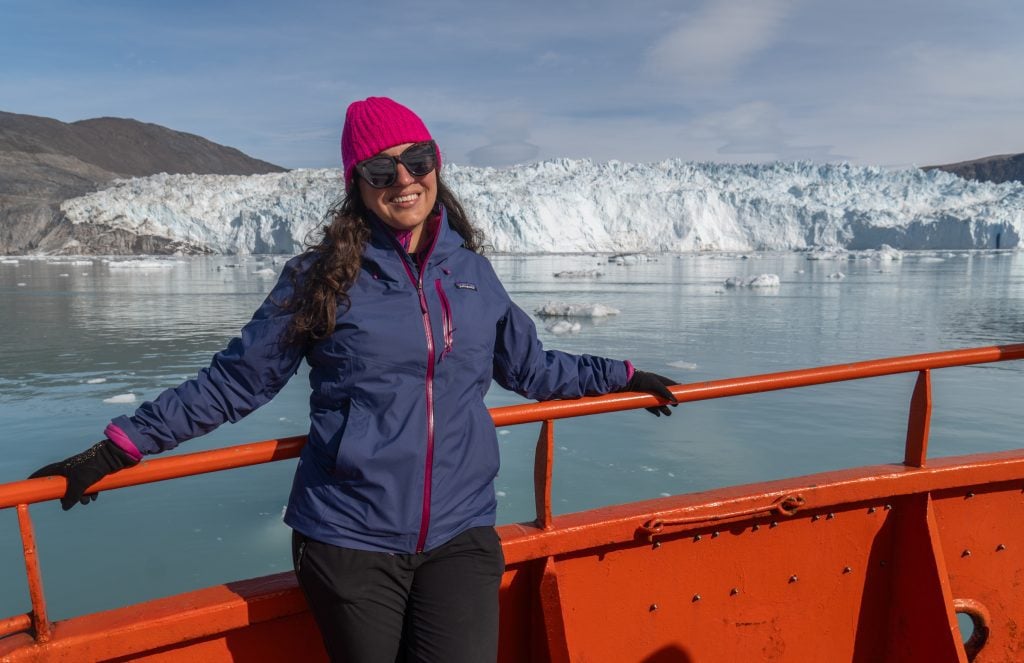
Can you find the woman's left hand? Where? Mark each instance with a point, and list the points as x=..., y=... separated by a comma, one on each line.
x=655, y=384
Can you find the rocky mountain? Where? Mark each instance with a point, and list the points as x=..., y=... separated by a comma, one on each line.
x=1000, y=168
x=45, y=161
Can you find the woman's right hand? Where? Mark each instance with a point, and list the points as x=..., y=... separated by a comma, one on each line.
x=84, y=469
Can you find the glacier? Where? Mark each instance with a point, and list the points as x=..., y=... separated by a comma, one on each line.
x=573, y=206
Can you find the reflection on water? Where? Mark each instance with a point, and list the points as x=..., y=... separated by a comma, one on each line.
x=76, y=336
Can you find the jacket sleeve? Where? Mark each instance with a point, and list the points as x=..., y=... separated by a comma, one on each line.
x=242, y=377
x=522, y=365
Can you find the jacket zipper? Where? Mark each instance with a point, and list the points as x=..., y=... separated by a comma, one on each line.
x=446, y=320
x=428, y=470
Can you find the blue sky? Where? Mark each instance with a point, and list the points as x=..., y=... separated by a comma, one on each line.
x=871, y=82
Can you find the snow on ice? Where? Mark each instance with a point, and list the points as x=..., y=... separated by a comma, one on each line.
x=573, y=206
x=759, y=281
x=120, y=398
x=564, y=310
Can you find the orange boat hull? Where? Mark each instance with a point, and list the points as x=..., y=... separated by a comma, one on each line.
x=871, y=567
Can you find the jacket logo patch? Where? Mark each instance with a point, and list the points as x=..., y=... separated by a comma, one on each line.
x=464, y=285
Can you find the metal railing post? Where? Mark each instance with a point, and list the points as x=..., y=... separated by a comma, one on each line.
x=543, y=459
x=919, y=421
x=40, y=622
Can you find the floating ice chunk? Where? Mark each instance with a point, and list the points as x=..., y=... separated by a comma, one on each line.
x=764, y=281
x=21, y=285
x=64, y=276
x=685, y=365
x=120, y=398
x=759, y=281
x=886, y=253
x=932, y=259
x=8, y=262
x=265, y=272
x=562, y=309
x=143, y=264
x=500, y=493
x=563, y=327
x=826, y=254
x=628, y=259
x=579, y=274
x=838, y=276
x=504, y=431
x=96, y=380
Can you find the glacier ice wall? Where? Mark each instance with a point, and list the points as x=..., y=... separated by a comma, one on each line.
x=568, y=206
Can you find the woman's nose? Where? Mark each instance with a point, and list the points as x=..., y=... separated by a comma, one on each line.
x=402, y=178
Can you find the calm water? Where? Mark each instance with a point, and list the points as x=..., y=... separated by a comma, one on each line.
x=76, y=335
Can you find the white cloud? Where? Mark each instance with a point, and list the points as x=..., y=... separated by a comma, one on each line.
x=710, y=45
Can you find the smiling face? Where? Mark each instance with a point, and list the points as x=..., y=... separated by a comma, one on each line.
x=407, y=203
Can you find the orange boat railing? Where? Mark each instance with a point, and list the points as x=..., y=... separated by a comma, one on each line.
x=20, y=494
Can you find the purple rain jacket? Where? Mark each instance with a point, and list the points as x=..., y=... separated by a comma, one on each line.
x=402, y=452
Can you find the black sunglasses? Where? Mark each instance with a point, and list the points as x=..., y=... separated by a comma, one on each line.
x=381, y=171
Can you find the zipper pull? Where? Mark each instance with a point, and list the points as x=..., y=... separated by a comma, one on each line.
x=423, y=298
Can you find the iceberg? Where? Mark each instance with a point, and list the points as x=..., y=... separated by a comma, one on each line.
x=759, y=281
x=564, y=310
x=578, y=274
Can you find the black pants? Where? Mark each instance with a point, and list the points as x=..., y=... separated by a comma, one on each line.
x=440, y=605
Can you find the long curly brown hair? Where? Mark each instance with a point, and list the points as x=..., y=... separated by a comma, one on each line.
x=337, y=258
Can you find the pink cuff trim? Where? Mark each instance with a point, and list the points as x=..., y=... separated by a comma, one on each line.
x=629, y=370
x=118, y=437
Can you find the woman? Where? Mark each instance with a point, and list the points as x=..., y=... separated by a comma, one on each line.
x=404, y=325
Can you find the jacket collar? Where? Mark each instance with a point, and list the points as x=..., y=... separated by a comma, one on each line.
x=385, y=249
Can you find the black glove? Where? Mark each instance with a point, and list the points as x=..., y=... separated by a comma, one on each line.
x=85, y=469
x=655, y=384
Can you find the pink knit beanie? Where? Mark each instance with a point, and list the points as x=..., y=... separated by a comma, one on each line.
x=375, y=124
